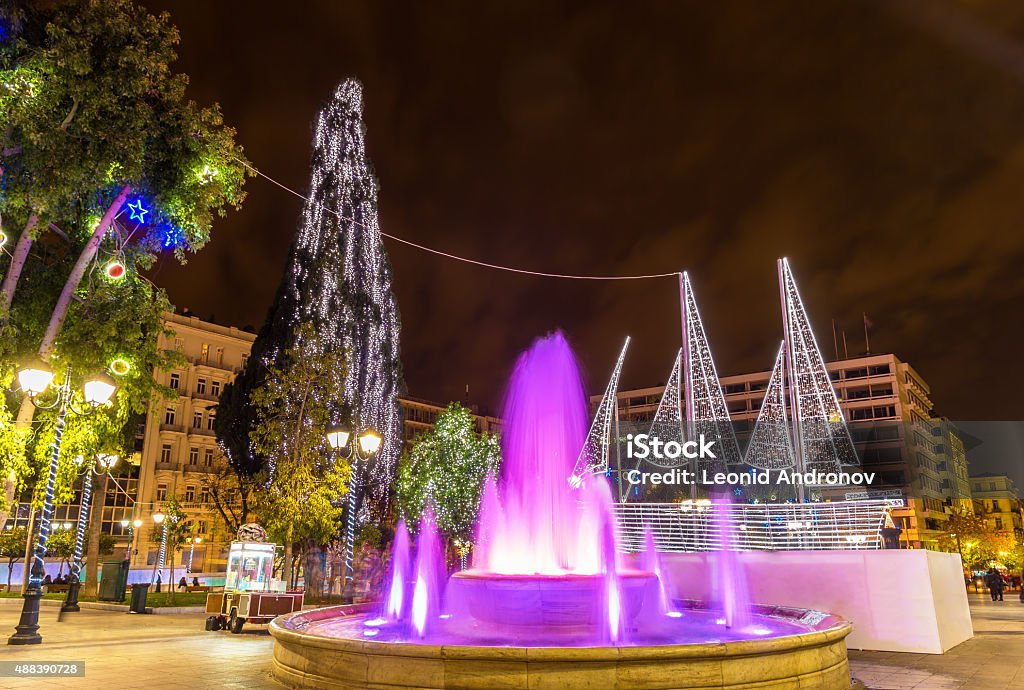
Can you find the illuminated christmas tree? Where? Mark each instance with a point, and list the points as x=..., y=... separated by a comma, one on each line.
x=338, y=278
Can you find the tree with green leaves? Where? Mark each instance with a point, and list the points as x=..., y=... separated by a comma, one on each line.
x=446, y=469
x=12, y=547
x=101, y=150
x=299, y=492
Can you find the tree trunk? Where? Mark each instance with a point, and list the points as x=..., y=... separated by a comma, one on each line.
x=9, y=485
x=314, y=571
x=172, y=585
x=18, y=259
x=60, y=312
x=286, y=567
x=92, y=557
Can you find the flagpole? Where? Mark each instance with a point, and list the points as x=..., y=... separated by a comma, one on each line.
x=867, y=343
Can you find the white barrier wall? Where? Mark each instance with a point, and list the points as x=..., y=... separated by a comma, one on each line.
x=897, y=600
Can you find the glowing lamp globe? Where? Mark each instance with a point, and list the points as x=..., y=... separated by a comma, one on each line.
x=106, y=461
x=338, y=438
x=35, y=379
x=137, y=523
x=158, y=517
x=369, y=441
x=3, y=239
x=120, y=366
x=99, y=390
x=115, y=270
x=199, y=540
x=124, y=523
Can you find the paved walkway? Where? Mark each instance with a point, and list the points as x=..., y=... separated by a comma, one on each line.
x=992, y=660
x=123, y=650
x=174, y=652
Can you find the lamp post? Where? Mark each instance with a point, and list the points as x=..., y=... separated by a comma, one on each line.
x=160, y=519
x=34, y=380
x=363, y=449
x=104, y=463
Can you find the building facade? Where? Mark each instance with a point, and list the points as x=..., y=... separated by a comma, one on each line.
x=997, y=500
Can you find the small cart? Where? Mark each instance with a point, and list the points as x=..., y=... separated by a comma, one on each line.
x=250, y=595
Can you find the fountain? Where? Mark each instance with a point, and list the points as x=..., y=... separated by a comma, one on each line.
x=550, y=601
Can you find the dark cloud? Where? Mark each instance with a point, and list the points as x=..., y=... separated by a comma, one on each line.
x=880, y=150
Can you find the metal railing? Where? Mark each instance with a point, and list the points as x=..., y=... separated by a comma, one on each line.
x=687, y=527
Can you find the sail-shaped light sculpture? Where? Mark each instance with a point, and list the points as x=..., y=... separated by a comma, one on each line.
x=821, y=439
x=704, y=402
x=771, y=445
x=593, y=457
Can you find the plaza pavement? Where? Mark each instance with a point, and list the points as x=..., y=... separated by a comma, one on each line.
x=174, y=652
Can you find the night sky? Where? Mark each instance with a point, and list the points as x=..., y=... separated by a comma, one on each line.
x=879, y=147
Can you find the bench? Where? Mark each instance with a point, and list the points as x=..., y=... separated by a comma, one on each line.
x=200, y=588
x=51, y=589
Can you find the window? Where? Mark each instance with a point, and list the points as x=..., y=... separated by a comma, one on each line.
x=991, y=486
x=175, y=382
x=204, y=494
x=190, y=494
x=197, y=419
x=204, y=353
x=880, y=369
x=179, y=343
x=735, y=388
x=856, y=373
x=165, y=452
x=220, y=355
x=999, y=523
x=161, y=492
x=193, y=456
x=201, y=527
x=245, y=358
x=169, y=415
x=215, y=388
x=209, y=420
x=201, y=386
x=208, y=456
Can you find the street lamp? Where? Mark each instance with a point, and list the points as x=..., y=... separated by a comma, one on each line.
x=34, y=381
x=367, y=445
x=104, y=463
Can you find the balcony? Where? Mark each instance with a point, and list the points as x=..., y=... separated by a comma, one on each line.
x=172, y=466
x=202, y=432
x=199, y=469
x=219, y=366
x=177, y=428
x=206, y=396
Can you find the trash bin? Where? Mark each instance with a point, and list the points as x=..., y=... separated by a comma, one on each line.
x=139, y=592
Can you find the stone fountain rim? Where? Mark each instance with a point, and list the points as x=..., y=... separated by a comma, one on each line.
x=285, y=629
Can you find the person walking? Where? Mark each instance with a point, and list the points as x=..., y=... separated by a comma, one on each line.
x=159, y=578
x=995, y=584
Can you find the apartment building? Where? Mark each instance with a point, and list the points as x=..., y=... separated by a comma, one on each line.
x=997, y=500
x=888, y=407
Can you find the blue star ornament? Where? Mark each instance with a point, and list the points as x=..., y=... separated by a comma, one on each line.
x=136, y=211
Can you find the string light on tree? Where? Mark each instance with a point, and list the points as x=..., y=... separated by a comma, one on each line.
x=120, y=366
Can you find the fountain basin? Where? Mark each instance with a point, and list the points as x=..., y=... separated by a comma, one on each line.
x=312, y=651
x=566, y=603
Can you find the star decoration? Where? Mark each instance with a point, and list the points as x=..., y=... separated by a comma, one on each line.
x=136, y=211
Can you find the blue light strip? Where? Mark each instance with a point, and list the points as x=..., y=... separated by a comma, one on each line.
x=83, y=516
x=35, y=579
